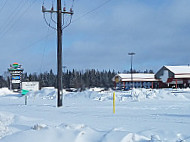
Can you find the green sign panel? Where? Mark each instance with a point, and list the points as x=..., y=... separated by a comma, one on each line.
x=24, y=92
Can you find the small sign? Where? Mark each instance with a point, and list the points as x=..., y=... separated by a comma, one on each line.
x=30, y=86
x=24, y=92
x=15, y=77
x=16, y=81
x=15, y=71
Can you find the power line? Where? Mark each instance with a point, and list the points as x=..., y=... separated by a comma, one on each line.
x=34, y=43
x=98, y=7
x=3, y=5
x=13, y=14
x=12, y=23
x=44, y=51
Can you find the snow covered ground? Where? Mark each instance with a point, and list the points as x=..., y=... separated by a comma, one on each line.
x=143, y=115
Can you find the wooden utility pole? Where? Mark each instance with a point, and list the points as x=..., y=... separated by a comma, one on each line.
x=59, y=55
x=59, y=28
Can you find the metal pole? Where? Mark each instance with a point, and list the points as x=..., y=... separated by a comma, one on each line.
x=59, y=54
x=131, y=54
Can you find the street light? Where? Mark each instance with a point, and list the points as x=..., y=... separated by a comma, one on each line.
x=131, y=54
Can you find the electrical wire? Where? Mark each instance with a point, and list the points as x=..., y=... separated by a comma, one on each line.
x=3, y=5
x=44, y=16
x=43, y=2
x=13, y=23
x=37, y=40
x=89, y=12
x=44, y=50
x=70, y=17
x=51, y=16
x=70, y=21
x=12, y=15
x=32, y=44
x=72, y=4
x=53, y=19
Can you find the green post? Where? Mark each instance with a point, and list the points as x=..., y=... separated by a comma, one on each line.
x=25, y=99
x=24, y=92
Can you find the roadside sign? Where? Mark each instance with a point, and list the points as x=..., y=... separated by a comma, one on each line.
x=16, y=81
x=15, y=77
x=29, y=86
x=24, y=92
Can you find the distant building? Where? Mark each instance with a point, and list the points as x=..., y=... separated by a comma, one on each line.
x=174, y=76
x=139, y=80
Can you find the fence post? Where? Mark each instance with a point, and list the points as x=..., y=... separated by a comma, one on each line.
x=114, y=102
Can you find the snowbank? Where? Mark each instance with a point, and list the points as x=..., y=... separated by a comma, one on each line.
x=121, y=96
x=45, y=93
x=79, y=133
x=6, y=91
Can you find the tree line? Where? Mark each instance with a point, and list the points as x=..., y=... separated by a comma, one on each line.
x=72, y=78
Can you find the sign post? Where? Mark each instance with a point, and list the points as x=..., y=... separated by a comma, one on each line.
x=25, y=99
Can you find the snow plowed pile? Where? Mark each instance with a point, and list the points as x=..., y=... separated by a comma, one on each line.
x=122, y=96
x=5, y=91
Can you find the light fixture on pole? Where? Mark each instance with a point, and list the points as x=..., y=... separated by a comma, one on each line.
x=131, y=54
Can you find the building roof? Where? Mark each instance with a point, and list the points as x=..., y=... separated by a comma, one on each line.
x=136, y=77
x=179, y=69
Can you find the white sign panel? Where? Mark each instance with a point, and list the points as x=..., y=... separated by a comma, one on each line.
x=30, y=86
x=17, y=72
x=15, y=81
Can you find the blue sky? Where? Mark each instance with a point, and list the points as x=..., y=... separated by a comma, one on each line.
x=158, y=31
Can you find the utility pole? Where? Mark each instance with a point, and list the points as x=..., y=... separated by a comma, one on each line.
x=59, y=55
x=59, y=29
